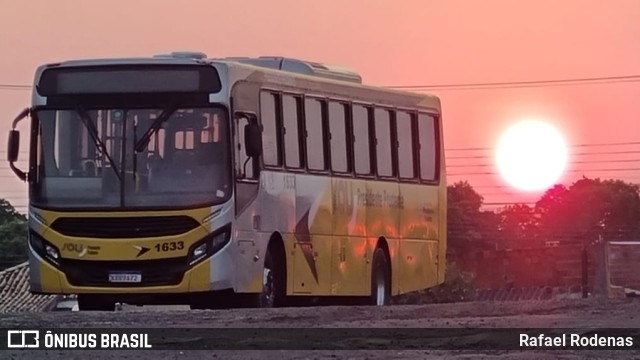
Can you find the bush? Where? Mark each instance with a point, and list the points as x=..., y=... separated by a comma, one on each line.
x=457, y=287
x=13, y=236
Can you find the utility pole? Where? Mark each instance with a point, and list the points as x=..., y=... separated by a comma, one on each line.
x=585, y=272
x=600, y=283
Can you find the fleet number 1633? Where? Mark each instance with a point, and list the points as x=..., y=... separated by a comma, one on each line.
x=169, y=246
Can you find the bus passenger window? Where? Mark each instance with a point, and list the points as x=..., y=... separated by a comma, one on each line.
x=315, y=134
x=427, y=137
x=290, y=111
x=338, y=131
x=270, y=137
x=383, y=143
x=406, y=164
x=361, y=143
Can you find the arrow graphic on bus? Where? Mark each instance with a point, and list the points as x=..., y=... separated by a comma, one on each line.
x=303, y=238
x=141, y=250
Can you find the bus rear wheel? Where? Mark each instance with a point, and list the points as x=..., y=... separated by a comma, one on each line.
x=94, y=302
x=380, y=279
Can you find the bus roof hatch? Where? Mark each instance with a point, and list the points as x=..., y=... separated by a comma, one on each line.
x=184, y=55
x=302, y=67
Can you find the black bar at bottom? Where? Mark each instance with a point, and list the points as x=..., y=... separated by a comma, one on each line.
x=323, y=339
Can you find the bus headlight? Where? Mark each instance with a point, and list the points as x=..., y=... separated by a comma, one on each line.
x=200, y=250
x=219, y=240
x=44, y=248
x=52, y=252
x=209, y=245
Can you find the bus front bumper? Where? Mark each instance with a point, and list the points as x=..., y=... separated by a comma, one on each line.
x=164, y=276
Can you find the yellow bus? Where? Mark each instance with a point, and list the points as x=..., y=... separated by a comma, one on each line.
x=179, y=179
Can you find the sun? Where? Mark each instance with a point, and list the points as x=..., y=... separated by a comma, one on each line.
x=531, y=155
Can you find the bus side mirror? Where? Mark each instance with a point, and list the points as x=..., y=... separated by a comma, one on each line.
x=253, y=139
x=13, y=146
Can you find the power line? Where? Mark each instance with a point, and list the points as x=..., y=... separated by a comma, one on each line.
x=568, y=163
x=574, y=145
x=15, y=87
x=508, y=193
x=569, y=170
x=605, y=79
x=508, y=203
x=433, y=90
x=465, y=157
x=512, y=190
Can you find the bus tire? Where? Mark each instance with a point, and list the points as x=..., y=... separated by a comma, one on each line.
x=380, y=279
x=92, y=302
x=273, y=285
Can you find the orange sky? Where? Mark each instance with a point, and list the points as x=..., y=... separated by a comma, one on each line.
x=390, y=42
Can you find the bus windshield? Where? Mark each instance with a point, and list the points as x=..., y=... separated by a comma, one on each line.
x=132, y=157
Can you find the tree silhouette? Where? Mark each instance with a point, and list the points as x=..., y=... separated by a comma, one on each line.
x=578, y=214
x=518, y=226
x=589, y=209
x=469, y=227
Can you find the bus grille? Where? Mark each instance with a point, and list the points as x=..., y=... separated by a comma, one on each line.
x=124, y=227
x=96, y=273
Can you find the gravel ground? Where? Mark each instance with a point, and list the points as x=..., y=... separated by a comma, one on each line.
x=548, y=314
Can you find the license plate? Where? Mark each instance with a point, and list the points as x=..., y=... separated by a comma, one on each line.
x=125, y=277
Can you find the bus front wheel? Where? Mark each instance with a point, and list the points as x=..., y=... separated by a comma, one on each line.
x=380, y=279
x=273, y=283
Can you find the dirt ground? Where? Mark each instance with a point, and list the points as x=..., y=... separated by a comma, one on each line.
x=590, y=313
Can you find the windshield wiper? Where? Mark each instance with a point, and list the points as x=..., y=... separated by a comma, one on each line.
x=144, y=140
x=93, y=132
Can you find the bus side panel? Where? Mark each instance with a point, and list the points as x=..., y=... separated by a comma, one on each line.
x=442, y=238
x=349, y=242
x=249, y=264
x=311, y=238
x=250, y=235
x=381, y=200
x=249, y=245
x=417, y=268
x=299, y=208
x=419, y=237
x=252, y=231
